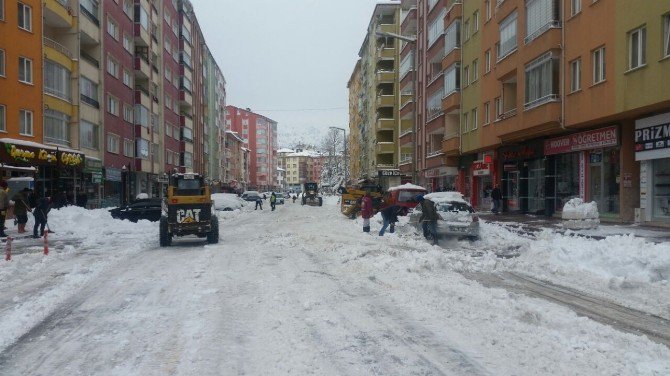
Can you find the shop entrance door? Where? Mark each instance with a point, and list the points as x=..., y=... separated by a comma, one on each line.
x=511, y=186
x=596, y=184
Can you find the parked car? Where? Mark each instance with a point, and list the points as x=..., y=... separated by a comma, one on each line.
x=250, y=195
x=227, y=201
x=457, y=217
x=280, y=198
x=148, y=209
x=403, y=195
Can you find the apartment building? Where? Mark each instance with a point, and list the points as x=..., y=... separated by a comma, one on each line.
x=301, y=166
x=378, y=97
x=236, y=164
x=356, y=128
x=407, y=85
x=260, y=136
x=215, y=94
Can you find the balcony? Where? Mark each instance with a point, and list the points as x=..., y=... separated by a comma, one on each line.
x=386, y=53
x=385, y=124
x=385, y=77
x=141, y=35
x=89, y=26
x=186, y=121
x=142, y=69
x=406, y=99
x=89, y=101
x=89, y=67
x=451, y=146
x=385, y=148
x=58, y=53
x=385, y=101
x=58, y=14
x=451, y=102
x=185, y=98
x=142, y=97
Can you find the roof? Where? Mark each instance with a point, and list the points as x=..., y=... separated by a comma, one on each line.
x=382, y=7
x=305, y=153
x=407, y=186
x=285, y=150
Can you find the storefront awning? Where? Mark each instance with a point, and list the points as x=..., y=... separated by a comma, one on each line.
x=24, y=153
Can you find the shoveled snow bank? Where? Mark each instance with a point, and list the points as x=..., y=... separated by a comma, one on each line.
x=438, y=197
x=578, y=214
x=407, y=186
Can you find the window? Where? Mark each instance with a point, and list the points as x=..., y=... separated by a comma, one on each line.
x=3, y=118
x=575, y=75
x=507, y=36
x=142, y=148
x=128, y=113
x=434, y=105
x=128, y=8
x=142, y=17
x=187, y=134
x=89, y=91
x=142, y=115
x=576, y=7
x=112, y=66
x=56, y=80
x=56, y=127
x=25, y=17
x=436, y=28
x=128, y=43
x=25, y=70
x=112, y=105
x=498, y=103
x=406, y=64
x=113, y=143
x=168, y=129
x=168, y=45
x=465, y=121
x=466, y=30
x=168, y=101
x=26, y=122
x=637, y=40
x=666, y=35
x=475, y=120
x=598, y=57
x=128, y=148
x=487, y=61
x=541, y=15
x=466, y=76
x=487, y=112
x=89, y=135
x=475, y=22
x=168, y=73
x=168, y=157
x=541, y=81
x=452, y=37
x=188, y=159
x=475, y=70
x=2, y=62
x=112, y=28
x=2, y=10
x=487, y=6
x=127, y=78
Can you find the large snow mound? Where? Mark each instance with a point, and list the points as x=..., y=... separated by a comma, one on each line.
x=576, y=208
x=227, y=200
x=439, y=197
x=407, y=186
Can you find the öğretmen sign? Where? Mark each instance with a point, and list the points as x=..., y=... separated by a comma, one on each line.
x=598, y=138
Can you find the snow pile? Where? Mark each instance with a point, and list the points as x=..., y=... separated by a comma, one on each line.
x=578, y=214
x=407, y=187
x=227, y=201
x=440, y=197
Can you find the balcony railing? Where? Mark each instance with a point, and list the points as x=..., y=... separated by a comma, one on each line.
x=541, y=101
x=435, y=153
x=508, y=114
x=90, y=59
x=89, y=15
x=57, y=46
x=554, y=24
x=89, y=101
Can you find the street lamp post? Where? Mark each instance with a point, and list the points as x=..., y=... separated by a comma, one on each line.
x=346, y=166
x=411, y=40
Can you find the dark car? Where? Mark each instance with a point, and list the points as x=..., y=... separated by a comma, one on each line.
x=149, y=209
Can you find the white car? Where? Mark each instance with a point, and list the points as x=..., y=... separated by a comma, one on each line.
x=227, y=201
x=457, y=217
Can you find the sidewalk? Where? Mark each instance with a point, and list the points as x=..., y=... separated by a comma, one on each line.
x=531, y=223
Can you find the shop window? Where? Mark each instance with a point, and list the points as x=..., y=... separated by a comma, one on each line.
x=661, y=189
x=567, y=178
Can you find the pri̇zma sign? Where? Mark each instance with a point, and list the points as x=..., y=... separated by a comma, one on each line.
x=599, y=138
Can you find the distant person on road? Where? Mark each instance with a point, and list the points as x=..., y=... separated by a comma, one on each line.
x=428, y=218
x=259, y=202
x=273, y=201
x=366, y=211
x=390, y=217
x=496, y=197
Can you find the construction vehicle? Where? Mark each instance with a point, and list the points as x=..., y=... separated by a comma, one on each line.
x=311, y=196
x=188, y=210
x=350, y=204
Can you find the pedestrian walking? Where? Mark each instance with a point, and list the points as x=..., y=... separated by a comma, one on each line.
x=273, y=201
x=390, y=217
x=366, y=211
x=259, y=202
x=4, y=206
x=41, y=213
x=496, y=198
x=21, y=208
x=428, y=218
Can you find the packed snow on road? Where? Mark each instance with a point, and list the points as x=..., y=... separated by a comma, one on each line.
x=302, y=290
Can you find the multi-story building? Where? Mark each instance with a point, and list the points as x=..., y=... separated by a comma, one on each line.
x=302, y=166
x=379, y=125
x=215, y=93
x=407, y=82
x=356, y=123
x=236, y=165
x=260, y=136
x=173, y=119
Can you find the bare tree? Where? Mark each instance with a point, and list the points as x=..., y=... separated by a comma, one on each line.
x=333, y=169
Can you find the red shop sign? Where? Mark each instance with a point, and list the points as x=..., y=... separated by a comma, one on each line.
x=599, y=138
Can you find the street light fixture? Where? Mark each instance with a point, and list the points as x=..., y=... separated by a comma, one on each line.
x=411, y=40
x=346, y=166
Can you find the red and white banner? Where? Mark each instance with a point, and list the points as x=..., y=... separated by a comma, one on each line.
x=599, y=138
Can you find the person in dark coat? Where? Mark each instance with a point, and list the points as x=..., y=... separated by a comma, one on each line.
x=259, y=202
x=496, y=197
x=21, y=208
x=4, y=206
x=390, y=217
x=40, y=213
x=428, y=218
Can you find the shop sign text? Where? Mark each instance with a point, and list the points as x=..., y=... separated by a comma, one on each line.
x=29, y=155
x=599, y=138
x=480, y=169
x=71, y=159
x=652, y=138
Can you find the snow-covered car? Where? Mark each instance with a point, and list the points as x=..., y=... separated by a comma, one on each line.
x=149, y=209
x=250, y=195
x=227, y=201
x=457, y=217
x=280, y=198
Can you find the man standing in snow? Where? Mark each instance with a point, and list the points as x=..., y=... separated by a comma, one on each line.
x=259, y=202
x=496, y=197
x=273, y=201
x=390, y=217
x=428, y=218
x=40, y=213
x=366, y=211
x=21, y=208
x=4, y=205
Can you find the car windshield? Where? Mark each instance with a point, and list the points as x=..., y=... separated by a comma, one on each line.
x=454, y=207
x=407, y=196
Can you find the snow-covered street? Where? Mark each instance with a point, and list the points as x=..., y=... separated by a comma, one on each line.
x=302, y=290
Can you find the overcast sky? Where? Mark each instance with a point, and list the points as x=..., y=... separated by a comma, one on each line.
x=282, y=56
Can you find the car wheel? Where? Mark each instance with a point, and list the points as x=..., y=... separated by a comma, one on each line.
x=165, y=237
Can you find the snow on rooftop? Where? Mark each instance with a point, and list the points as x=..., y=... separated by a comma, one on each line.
x=438, y=197
x=407, y=186
x=285, y=150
